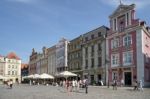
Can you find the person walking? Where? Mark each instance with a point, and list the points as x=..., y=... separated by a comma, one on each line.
x=11, y=84
x=86, y=86
x=141, y=85
x=135, y=85
x=122, y=82
x=114, y=84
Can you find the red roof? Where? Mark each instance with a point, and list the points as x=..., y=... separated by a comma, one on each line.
x=12, y=55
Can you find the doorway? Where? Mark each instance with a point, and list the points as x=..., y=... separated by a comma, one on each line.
x=127, y=78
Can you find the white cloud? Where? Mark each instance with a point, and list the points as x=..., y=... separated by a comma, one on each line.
x=139, y=3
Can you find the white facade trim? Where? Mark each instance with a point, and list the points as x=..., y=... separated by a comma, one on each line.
x=140, y=56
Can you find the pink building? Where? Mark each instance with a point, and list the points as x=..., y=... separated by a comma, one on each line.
x=128, y=47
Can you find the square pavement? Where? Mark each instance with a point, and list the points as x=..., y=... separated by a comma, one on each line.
x=24, y=91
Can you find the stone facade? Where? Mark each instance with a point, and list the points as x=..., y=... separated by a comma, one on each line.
x=93, y=55
x=33, y=62
x=75, y=56
x=11, y=67
x=52, y=60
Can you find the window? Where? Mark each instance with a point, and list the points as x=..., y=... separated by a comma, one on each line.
x=115, y=59
x=99, y=34
x=127, y=19
x=92, y=62
x=92, y=36
x=127, y=40
x=121, y=28
x=99, y=61
x=127, y=58
x=8, y=66
x=115, y=24
x=114, y=75
x=8, y=72
x=86, y=64
x=99, y=47
x=92, y=48
x=12, y=72
x=86, y=50
x=114, y=43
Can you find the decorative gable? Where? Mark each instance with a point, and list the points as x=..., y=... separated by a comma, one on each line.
x=122, y=8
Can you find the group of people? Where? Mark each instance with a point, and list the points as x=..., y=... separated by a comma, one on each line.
x=74, y=85
x=138, y=85
x=9, y=83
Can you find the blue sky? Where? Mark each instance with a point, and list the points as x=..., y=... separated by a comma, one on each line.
x=27, y=24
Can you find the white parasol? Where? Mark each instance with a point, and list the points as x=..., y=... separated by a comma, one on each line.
x=46, y=76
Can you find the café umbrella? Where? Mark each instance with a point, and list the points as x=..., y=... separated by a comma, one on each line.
x=46, y=76
x=67, y=74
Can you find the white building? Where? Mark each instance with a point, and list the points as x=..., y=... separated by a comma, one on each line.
x=10, y=67
x=62, y=55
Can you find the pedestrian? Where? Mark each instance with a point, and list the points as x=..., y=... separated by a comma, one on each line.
x=135, y=85
x=141, y=85
x=114, y=84
x=73, y=85
x=78, y=85
x=122, y=82
x=86, y=86
x=11, y=84
x=102, y=83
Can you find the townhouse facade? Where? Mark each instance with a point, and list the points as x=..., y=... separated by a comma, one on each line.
x=121, y=53
x=93, y=55
x=44, y=61
x=10, y=67
x=52, y=60
x=126, y=47
x=32, y=62
x=75, y=56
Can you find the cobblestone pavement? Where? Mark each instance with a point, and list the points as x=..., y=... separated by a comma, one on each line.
x=53, y=92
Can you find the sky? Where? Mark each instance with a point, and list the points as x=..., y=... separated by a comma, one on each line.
x=27, y=24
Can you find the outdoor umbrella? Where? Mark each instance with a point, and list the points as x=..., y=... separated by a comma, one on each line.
x=36, y=76
x=46, y=76
x=67, y=74
x=30, y=76
x=2, y=77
